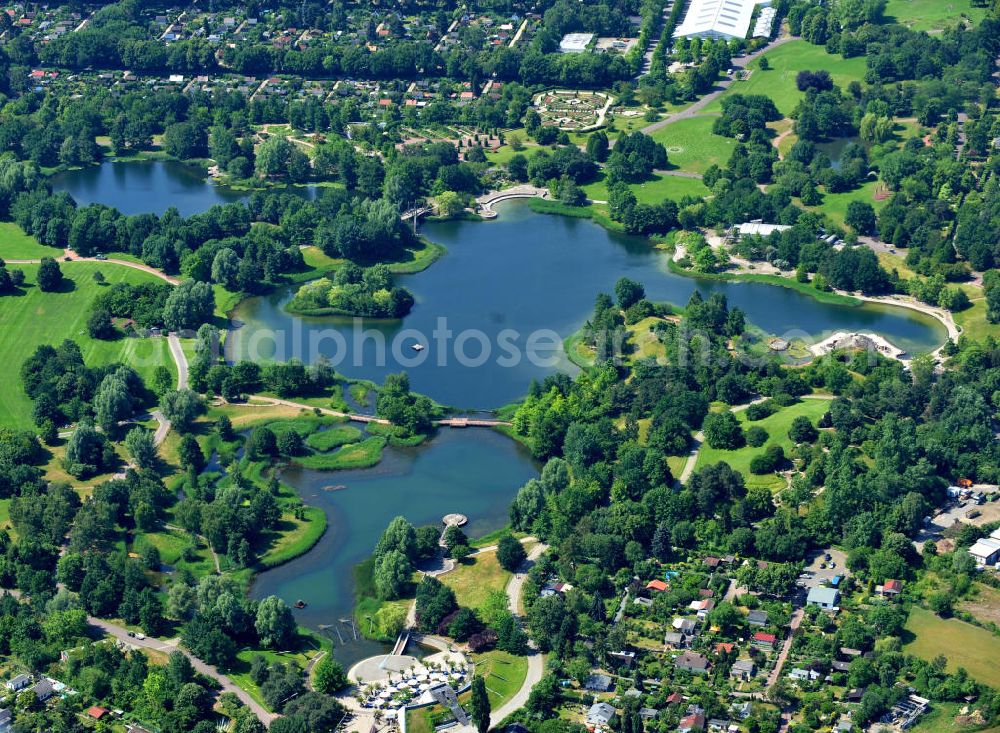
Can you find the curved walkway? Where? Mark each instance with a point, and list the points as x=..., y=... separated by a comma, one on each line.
x=74, y=257
x=172, y=645
x=536, y=660
x=484, y=203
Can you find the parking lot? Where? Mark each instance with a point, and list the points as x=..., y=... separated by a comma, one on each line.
x=815, y=575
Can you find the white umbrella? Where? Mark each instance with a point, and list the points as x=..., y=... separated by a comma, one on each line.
x=425, y=686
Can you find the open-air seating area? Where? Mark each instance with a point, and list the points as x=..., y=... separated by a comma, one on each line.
x=409, y=687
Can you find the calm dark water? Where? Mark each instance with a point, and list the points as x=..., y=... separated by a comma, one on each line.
x=835, y=148
x=141, y=187
x=475, y=472
x=151, y=187
x=521, y=274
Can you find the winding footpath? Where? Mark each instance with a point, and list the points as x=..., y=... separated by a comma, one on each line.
x=173, y=645
x=699, y=438
x=71, y=256
x=536, y=660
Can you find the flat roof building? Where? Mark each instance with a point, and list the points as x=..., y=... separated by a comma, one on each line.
x=723, y=19
x=575, y=42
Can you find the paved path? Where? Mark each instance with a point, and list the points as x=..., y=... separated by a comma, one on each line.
x=484, y=203
x=677, y=174
x=454, y=422
x=180, y=359
x=695, y=108
x=74, y=257
x=536, y=660
x=173, y=645
x=786, y=647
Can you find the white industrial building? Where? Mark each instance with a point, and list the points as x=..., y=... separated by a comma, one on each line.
x=765, y=22
x=575, y=42
x=987, y=550
x=725, y=19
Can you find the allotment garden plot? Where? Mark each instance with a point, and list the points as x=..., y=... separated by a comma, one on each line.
x=573, y=110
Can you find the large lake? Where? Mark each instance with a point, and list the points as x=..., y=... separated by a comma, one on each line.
x=522, y=274
x=499, y=283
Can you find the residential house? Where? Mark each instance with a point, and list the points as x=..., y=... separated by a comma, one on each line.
x=692, y=662
x=691, y=723
x=891, y=588
x=804, y=675
x=658, y=585
x=839, y=666
x=96, y=712
x=706, y=593
x=854, y=694
x=624, y=658
x=847, y=651
x=724, y=647
x=825, y=598
x=598, y=683
x=43, y=690
x=675, y=698
x=743, y=669
x=763, y=640
x=675, y=640
x=711, y=562
x=757, y=618
x=686, y=626
x=648, y=713
x=644, y=602
x=6, y=720
x=702, y=607
x=18, y=683
x=600, y=715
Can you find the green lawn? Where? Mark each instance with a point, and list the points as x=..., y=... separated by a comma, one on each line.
x=654, y=190
x=297, y=536
x=777, y=429
x=786, y=62
x=504, y=674
x=835, y=204
x=333, y=438
x=35, y=318
x=364, y=454
x=692, y=147
x=932, y=15
x=16, y=245
x=473, y=580
x=962, y=644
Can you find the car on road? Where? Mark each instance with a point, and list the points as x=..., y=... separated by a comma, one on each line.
x=140, y=637
x=101, y=257
x=131, y=633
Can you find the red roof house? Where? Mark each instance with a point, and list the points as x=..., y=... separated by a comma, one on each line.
x=658, y=585
x=763, y=639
